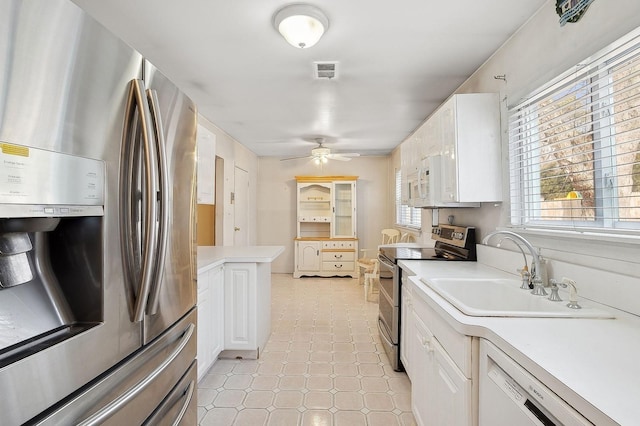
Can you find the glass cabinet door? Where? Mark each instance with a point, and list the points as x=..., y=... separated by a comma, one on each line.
x=344, y=208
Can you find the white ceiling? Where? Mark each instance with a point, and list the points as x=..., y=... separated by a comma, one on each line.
x=397, y=62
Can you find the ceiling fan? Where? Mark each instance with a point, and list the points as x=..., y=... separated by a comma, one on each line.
x=322, y=154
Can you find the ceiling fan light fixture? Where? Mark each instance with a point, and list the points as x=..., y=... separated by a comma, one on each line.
x=302, y=25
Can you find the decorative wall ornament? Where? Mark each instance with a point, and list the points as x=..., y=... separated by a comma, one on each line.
x=571, y=10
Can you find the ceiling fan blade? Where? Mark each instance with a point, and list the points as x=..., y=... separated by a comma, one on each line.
x=343, y=157
x=338, y=157
x=296, y=158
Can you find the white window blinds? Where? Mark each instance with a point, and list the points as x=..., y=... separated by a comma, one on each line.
x=574, y=147
x=405, y=215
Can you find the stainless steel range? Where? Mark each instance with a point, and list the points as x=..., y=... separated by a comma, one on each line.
x=453, y=243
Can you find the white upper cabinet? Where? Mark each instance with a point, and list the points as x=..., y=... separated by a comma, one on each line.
x=453, y=158
x=206, y=145
x=471, y=169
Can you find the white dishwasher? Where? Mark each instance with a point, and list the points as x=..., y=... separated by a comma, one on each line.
x=510, y=396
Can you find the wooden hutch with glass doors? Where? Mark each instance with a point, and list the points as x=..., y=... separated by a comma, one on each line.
x=326, y=244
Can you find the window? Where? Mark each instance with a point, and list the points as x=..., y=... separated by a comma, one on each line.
x=405, y=215
x=574, y=147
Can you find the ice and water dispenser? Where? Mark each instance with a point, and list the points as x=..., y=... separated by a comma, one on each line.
x=51, y=212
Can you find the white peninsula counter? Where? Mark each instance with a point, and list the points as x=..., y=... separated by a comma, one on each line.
x=234, y=302
x=212, y=256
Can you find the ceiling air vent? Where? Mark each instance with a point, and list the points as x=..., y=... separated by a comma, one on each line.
x=325, y=70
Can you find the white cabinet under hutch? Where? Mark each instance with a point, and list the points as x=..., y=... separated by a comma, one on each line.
x=326, y=242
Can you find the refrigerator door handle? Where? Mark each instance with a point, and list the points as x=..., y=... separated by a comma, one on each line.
x=186, y=394
x=129, y=196
x=163, y=199
x=108, y=410
x=189, y=396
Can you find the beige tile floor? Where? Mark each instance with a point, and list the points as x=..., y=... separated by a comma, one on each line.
x=323, y=365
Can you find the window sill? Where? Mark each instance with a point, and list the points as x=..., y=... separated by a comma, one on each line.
x=408, y=228
x=613, y=238
x=616, y=253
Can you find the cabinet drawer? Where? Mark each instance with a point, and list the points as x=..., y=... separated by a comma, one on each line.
x=314, y=219
x=338, y=256
x=338, y=266
x=338, y=244
x=456, y=345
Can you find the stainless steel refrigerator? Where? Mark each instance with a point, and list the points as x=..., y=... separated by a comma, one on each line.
x=97, y=227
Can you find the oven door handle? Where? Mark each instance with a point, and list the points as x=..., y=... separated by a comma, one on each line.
x=383, y=332
x=387, y=264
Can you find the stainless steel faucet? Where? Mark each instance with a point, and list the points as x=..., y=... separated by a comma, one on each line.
x=524, y=271
x=536, y=271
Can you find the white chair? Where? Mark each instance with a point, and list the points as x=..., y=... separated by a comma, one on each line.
x=407, y=237
x=389, y=236
x=370, y=279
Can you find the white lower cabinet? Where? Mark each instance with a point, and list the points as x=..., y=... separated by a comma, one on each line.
x=406, y=324
x=240, y=306
x=234, y=312
x=217, y=314
x=451, y=391
x=326, y=258
x=247, y=309
x=440, y=366
x=421, y=366
x=210, y=317
x=307, y=256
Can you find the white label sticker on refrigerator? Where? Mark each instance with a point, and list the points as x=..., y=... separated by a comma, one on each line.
x=14, y=174
x=37, y=176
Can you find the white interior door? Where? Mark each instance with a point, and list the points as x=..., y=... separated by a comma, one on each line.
x=241, y=207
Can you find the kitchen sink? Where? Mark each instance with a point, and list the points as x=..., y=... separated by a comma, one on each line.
x=486, y=297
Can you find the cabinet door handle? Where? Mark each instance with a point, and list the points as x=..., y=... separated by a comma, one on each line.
x=337, y=256
x=338, y=266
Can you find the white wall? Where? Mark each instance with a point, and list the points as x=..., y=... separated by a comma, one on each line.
x=537, y=53
x=276, y=200
x=234, y=154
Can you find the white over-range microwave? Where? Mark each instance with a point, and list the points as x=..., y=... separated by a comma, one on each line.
x=424, y=184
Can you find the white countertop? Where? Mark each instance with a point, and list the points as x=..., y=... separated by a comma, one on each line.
x=212, y=256
x=411, y=244
x=593, y=364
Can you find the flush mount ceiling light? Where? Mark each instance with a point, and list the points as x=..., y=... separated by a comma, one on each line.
x=301, y=25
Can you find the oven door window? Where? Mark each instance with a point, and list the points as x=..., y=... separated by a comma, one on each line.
x=386, y=285
x=389, y=316
x=387, y=281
